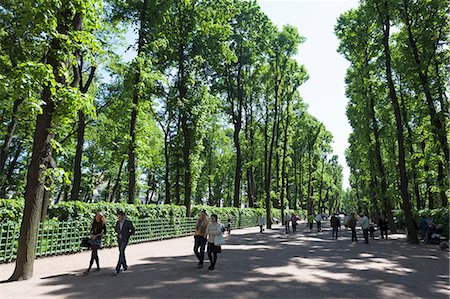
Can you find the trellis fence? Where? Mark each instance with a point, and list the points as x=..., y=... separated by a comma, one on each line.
x=62, y=237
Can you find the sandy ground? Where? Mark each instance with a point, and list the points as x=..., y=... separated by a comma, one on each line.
x=251, y=265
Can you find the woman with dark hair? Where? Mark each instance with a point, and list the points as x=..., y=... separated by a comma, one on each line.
x=98, y=229
x=215, y=239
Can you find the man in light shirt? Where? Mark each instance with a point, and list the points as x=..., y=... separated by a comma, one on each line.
x=365, y=227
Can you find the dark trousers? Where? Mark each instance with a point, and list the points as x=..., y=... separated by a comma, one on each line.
x=261, y=229
x=310, y=225
x=383, y=232
x=319, y=226
x=294, y=227
x=366, y=235
x=94, y=257
x=199, y=248
x=212, y=254
x=122, y=260
x=286, y=225
x=354, y=238
x=335, y=232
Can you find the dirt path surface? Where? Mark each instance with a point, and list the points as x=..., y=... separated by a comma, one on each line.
x=251, y=265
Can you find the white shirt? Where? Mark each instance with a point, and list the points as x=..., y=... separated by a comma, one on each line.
x=318, y=217
x=261, y=220
x=365, y=223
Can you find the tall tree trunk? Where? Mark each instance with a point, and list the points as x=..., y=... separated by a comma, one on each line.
x=9, y=136
x=134, y=109
x=266, y=167
x=78, y=156
x=116, y=184
x=283, y=166
x=80, y=131
x=271, y=149
x=167, y=167
x=387, y=207
x=41, y=156
x=385, y=22
x=438, y=127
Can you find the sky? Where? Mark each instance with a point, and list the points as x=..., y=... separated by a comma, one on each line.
x=324, y=92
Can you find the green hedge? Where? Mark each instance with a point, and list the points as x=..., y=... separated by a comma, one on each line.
x=12, y=209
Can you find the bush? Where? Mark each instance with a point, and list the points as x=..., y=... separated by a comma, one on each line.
x=11, y=209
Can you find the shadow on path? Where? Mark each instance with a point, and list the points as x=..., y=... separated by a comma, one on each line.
x=275, y=265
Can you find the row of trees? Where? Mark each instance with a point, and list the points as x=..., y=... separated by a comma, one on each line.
x=398, y=86
x=208, y=111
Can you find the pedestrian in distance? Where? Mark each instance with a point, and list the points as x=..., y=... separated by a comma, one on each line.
x=261, y=223
x=352, y=224
x=215, y=240
x=319, y=222
x=287, y=220
x=310, y=220
x=365, y=225
x=229, y=225
x=124, y=230
x=294, y=219
x=383, y=227
x=200, y=238
x=98, y=229
x=335, y=223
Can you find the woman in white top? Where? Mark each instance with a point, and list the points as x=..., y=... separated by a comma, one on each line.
x=214, y=229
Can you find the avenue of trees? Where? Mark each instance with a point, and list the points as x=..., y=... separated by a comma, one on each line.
x=398, y=85
x=208, y=111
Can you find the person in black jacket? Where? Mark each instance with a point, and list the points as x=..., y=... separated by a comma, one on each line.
x=124, y=229
x=98, y=229
x=335, y=224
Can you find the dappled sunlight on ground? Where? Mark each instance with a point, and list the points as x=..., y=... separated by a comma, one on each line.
x=251, y=265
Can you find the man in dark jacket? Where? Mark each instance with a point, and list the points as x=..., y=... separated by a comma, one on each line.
x=335, y=224
x=124, y=229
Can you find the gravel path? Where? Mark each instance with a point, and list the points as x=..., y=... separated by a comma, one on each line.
x=251, y=265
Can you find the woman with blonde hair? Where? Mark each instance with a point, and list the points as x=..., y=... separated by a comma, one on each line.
x=98, y=229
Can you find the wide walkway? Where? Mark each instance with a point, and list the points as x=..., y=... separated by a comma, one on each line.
x=251, y=265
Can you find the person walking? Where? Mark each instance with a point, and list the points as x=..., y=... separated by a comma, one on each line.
x=261, y=223
x=200, y=238
x=319, y=222
x=294, y=219
x=98, y=229
x=287, y=220
x=383, y=227
x=352, y=224
x=365, y=225
x=335, y=225
x=214, y=232
x=124, y=229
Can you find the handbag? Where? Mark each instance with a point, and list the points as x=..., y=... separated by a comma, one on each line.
x=97, y=243
x=85, y=242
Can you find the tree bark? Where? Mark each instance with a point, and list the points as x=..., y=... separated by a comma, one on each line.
x=116, y=184
x=385, y=22
x=9, y=136
x=438, y=128
x=134, y=109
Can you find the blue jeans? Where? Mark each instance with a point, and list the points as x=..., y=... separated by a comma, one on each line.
x=122, y=260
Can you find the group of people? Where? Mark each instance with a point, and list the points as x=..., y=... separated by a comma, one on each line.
x=430, y=232
x=208, y=232
x=124, y=229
